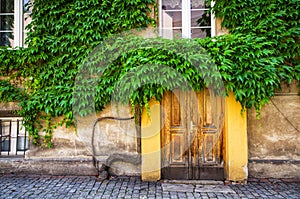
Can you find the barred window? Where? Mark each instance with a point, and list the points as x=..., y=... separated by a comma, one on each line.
x=13, y=137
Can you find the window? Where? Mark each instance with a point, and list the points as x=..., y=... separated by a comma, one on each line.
x=13, y=137
x=13, y=19
x=185, y=18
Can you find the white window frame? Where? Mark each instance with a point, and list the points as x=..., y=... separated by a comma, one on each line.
x=186, y=19
x=18, y=29
x=18, y=20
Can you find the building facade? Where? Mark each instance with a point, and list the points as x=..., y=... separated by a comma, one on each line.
x=188, y=135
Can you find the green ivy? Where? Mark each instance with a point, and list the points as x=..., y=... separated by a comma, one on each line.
x=9, y=93
x=261, y=50
x=61, y=35
x=276, y=21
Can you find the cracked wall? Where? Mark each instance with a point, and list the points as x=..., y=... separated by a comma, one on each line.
x=274, y=140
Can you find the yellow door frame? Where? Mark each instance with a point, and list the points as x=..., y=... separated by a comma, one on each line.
x=235, y=142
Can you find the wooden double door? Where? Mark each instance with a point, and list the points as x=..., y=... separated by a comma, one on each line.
x=191, y=138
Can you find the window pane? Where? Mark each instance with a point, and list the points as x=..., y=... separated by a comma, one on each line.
x=25, y=2
x=171, y=4
x=27, y=6
x=201, y=32
x=6, y=39
x=199, y=4
x=6, y=6
x=171, y=19
x=5, y=145
x=22, y=144
x=177, y=33
x=6, y=22
x=200, y=18
x=22, y=138
x=27, y=20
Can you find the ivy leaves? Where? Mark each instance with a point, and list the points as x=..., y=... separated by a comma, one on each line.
x=9, y=93
x=274, y=21
x=249, y=66
x=130, y=68
x=60, y=36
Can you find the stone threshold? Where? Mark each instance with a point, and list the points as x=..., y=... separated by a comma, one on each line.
x=206, y=188
x=194, y=182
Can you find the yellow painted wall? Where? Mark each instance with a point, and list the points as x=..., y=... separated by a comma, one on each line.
x=235, y=135
x=150, y=143
x=236, y=146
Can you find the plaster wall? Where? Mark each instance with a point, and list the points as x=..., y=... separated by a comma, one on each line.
x=109, y=136
x=73, y=149
x=274, y=139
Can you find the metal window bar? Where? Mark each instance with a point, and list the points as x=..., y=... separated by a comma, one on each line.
x=13, y=138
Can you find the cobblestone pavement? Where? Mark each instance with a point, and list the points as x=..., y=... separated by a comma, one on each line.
x=17, y=186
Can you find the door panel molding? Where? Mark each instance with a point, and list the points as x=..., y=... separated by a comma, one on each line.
x=191, y=137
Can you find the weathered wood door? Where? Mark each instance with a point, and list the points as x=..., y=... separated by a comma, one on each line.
x=191, y=138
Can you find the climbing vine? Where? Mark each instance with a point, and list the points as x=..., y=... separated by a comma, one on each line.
x=275, y=21
x=261, y=50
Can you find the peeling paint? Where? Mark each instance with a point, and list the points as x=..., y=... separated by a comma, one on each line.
x=245, y=169
x=277, y=137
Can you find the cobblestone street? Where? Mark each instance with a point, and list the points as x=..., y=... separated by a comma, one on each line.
x=24, y=186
